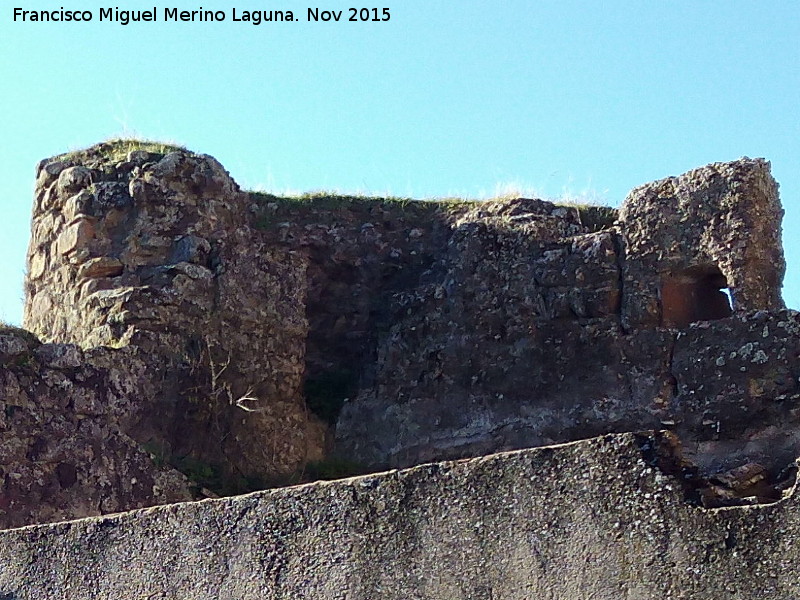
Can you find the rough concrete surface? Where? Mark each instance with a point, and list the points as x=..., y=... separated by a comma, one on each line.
x=589, y=519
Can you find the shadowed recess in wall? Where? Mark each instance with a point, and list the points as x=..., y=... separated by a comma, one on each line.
x=694, y=294
x=326, y=393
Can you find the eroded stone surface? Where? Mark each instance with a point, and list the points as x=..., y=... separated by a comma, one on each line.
x=155, y=252
x=526, y=331
x=723, y=216
x=591, y=519
x=261, y=335
x=62, y=451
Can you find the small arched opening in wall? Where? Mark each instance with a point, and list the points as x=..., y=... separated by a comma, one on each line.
x=699, y=293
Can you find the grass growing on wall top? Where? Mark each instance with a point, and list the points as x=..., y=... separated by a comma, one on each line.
x=322, y=206
x=117, y=150
x=334, y=201
x=594, y=217
x=273, y=207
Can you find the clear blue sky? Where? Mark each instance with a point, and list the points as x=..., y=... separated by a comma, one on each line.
x=463, y=97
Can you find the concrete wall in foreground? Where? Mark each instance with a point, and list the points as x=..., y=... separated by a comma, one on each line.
x=589, y=519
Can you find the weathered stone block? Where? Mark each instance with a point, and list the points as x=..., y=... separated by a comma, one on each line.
x=78, y=205
x=12, y=344
x=72, y=180
x=724, y=217
x=76, y=236
x=37, y=265
x=103, y=266
x=60, y=356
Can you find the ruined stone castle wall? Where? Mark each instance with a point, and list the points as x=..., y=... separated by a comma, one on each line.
x=721, y=220
x=155, y=251
x=533, y=330
x=274, y=334
x=63, y=447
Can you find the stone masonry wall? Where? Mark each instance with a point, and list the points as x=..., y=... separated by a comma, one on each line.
x=63, y=450
x=723, y=216
x=154, y=251
x=532, y=330
x=269, y=339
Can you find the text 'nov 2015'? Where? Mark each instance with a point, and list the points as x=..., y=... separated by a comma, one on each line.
x=124, y=16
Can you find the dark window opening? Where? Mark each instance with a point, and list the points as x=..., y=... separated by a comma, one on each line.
x=697, y=294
